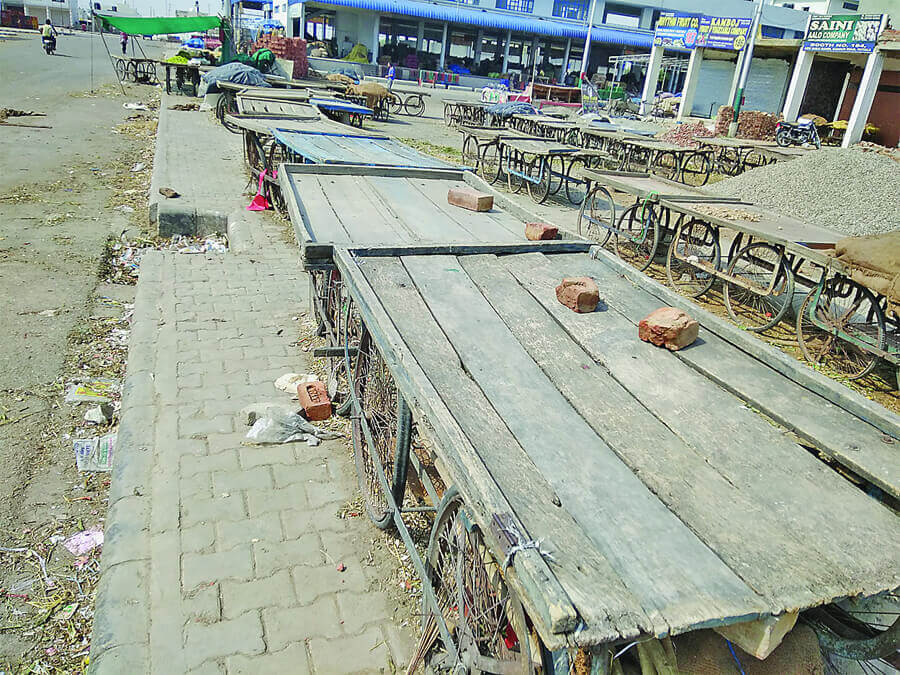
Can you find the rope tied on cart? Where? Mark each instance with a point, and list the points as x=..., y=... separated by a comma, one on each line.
x=523, y=545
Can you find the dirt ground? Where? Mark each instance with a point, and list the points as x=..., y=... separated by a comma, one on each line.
x=64, y=192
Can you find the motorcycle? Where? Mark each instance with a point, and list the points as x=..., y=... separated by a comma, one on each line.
x=797, y=133
x=49, y=44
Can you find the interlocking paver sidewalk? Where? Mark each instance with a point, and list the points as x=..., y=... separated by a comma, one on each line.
x=220, y=557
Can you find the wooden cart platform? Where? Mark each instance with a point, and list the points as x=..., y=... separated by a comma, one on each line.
x=391, y=206
x=317, y=147
x=629, y=490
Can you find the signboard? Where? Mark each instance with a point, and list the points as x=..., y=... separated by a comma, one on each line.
x=842, y=33
x=723, y=32
x=686, y=31
x=676, y=31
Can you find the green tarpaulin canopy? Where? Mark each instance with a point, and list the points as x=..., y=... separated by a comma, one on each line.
x=160, y=25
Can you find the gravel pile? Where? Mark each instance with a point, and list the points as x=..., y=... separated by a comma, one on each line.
x=847, y=190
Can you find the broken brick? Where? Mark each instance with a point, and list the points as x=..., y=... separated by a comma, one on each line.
x=540, y=231
x=668, y=327
x=580, y=294
x=313, y=396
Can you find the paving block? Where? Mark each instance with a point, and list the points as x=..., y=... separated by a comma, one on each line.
x=248, y=531
x=274, y=591
x=198, y=568
x=317, y=619
x=359, y=610
x=260, y=502
x=204, y=642
x=312, y=582
x=268, y=455
x=202, y=604
x=198, y=510
x=297, y=522
x=272, y=556
x=258, y=478
x=366, y=651
x=312, y=471
x=291, y=660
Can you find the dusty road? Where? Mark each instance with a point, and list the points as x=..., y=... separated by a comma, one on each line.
x=58, y=191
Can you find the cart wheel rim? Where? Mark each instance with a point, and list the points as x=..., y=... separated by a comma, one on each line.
x=753, y=308
x=695, y=242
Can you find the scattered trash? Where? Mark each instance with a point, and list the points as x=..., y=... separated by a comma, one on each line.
x=312, y=441
x=277, y=427
x=260, y=203
x=101, y=414
x=94, y=454
x=98, y=391
x=289, y=381
x=255, y=411
x=135, y=106
x=341, y=567
x=185, y=106
x=124, y=208
x=85, y=541
x=140, y=166
x=49, y=312
x=208, y=245
x=168, y=193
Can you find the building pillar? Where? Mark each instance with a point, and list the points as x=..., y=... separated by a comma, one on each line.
x=565, y=64
x=868, y=86
x=797, y=87
x=444, y=48
x=506, y=51
x=648, y=96
x=690, y=84
x=736, y=77
x=375, y=31
x=479, y=39
x=646, y=18
x=532, y=56
x=840, y=103
x=420, y=37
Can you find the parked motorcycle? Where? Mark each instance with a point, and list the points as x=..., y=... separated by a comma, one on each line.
x=797, y=133
x=49, y=44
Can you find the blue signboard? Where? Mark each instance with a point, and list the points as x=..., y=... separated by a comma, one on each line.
x=686, y=31
x=723, y=32
x=677, y=31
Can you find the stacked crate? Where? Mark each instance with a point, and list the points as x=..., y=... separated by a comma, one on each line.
x=291, y=49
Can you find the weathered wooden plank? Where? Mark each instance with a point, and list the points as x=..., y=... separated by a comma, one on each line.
x=497, y=248
x=419, y=216
x=546, y=601
x=312, y=210
x=485, y=226
x=678, y=580
x=800, y=396
x=777, y=554
x=363, y=214
x=778, y=472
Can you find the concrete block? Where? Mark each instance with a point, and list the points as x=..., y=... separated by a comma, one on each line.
x=198, y=568
x=249, y=531
x=289, y=625
x=272, y=556
x=274, y=591
x=349, y=654
x=292, y=660
x=468, y=198
x=242, y=635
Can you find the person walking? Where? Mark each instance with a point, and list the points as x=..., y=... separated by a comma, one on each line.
x=124, y=39
x=390, y=76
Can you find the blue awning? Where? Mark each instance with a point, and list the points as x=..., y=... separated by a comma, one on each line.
x=491, y=18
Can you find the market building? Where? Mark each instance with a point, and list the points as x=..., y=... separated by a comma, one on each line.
x=481, y=37
x=60, y=12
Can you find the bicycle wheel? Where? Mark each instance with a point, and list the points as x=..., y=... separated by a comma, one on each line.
x=696, y=169
x=485, y=618
x=539, y=170
x=638, y=236
x=470, y=153
x=491, y=166
x=597, y=215
x=395, y=105
x=698, y=243
x=381, y=411
x=415, y=106
x=840, y=328
x=751, y=304
x=515, y=164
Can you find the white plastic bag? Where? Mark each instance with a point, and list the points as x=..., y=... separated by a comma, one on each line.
x=280, y=427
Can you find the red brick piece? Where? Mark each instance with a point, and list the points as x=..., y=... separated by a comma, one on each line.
x=468, y=198
x=669, y=327
x=580, y=294
x=540, y=231
x=313, y=397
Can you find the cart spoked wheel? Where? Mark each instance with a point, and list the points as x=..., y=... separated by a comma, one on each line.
x=839, y=325
x=696, y=169
x=121, y=70
x=272, y=191
x=640, y=159
x=395, y=105
x=695, y=243
x=147, y=72
x=751, y=304
x=516, y=163
x=665, y=164
x=349, y=333
x=319, y=299
x=557, y=169
x=574, y=137
x=470, y=153
x=389, y=424
x=869, y=635
x=539, y=170
x=275, y=156
x=226, y=106
x=576, y=187
x=638, y=236
x=415, y=106
x=484, y=617
x=753, y=160
x=490, y=166
x=254, y=153
x=448, y=116
x=729, y=162
x=597, y=215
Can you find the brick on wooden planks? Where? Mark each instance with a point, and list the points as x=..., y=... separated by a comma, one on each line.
x=313, y=396
x=580, y=294
x=540, y=231
x=468, y=198
x=668, y=327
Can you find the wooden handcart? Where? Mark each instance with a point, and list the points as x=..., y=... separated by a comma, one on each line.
x=733, y=156
x=410, y=102
x=583, y=510
x=135, y=69
x=187, y=76
x=470, y=113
